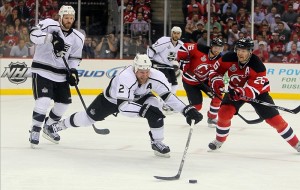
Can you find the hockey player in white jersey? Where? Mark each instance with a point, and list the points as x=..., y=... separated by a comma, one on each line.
x=50, y=77
x=163, y=54
x=130, y=93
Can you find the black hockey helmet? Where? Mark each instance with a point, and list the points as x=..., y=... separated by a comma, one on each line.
x=244, y=43
x=216, y=42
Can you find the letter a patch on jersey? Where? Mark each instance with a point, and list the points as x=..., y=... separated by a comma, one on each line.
x=149, y=86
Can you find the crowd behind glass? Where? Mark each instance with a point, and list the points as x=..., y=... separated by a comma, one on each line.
x=276, y=32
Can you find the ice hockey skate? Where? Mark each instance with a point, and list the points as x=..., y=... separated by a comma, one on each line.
x=160, y=149
x=53, y=137
x=55, y=127
x=212, y=123
x=34, y=137
x=297, y=147
x=215, y=144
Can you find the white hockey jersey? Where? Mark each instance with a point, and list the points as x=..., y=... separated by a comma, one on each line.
x=163, y=51
x=124, y=86
x=45, y=62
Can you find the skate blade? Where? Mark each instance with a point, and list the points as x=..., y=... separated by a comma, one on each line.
x=49, y=139
x=211, y=125
x=156, y=153
x=33, y=146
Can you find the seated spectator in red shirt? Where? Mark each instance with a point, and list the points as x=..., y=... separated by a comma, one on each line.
x=195, y=7
x=262, y=52
x=293, y=56
x=277, y=48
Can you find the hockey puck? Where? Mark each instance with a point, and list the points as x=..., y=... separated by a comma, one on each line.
x=192, y=181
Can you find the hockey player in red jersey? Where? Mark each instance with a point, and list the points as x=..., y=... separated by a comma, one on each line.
x=196, y=56
x=247, y=79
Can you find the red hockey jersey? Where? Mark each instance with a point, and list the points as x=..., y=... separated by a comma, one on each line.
x=193, y=55
x=252, y=76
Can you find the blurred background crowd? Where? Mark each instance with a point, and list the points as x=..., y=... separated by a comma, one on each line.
x=276, y=25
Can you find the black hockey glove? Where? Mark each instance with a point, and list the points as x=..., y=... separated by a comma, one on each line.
x=151, y=113
x=72, y=77
x=58, y=45
x=191, y=113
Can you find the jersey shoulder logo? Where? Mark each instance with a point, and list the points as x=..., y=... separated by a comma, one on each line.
x=233, y=68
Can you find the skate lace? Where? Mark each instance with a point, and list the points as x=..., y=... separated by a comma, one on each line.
x=35, y=135
x=160, y=145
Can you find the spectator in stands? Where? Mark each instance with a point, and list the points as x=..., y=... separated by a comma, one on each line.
x=295, y=40
x=11, y=17
x=191, y=26
x=229, y=23
x=20, y=50
x=277, y=49
x=233, y=35
x=129, y=17
x=262, y=7
x=258, y=38
x=279, y=7
x=292, y=56
x=88, y=51
x=54, y=8
x=233, y=6
x=284, y=34
x=242, y=17
x=142, y=6
x=259, y=16
x=214, y=8
x=204, y=38
x=265, y=33
x=127, y=47
x=274, y=26
x=262, y=52
x=267, y=2
x=139, y=26
x=196, y=34
x=6, y=9
x=139, y=45
x=290, y=16
x=126, y=2
x=228, y=14
x=213, y=23
x=245, y=4
x=195, y=8
x=23, y=11
x=108, y=47
x=11, y=38
x=270, y=17
x=18, y=25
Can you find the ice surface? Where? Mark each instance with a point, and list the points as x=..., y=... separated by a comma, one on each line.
x=254, y=157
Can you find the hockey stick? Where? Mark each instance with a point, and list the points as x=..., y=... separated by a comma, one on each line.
x=98, y=131
x=293, y=111
x=177, y=176
x=210, y=93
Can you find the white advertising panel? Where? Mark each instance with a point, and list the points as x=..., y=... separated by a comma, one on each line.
x=95, y=75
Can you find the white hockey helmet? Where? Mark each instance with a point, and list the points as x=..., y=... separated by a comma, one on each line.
x=176, y=29
x=66, y=10
x=142, y=62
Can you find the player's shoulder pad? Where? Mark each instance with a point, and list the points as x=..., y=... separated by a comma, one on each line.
x=203, y=48
x=156, y=74
x=48, y=22
x=79, y=35
x=127, y=76
x=256, y=64
x=230, y=57
x=161, y=41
